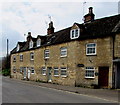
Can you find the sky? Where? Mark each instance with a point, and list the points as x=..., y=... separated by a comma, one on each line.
x=19, y=18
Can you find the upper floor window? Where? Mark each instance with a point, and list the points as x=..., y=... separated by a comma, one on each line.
x=38, y=42
x=91, y=49
x=14, y=58
x=46, y=54
x=31, y=44
x=75, y=33
x=43, y=71
x=21, y=57
x=63, y=52
x=63, y=71
x=90, y=72
x=18, y=47
x=31, y=56
x=56, y=71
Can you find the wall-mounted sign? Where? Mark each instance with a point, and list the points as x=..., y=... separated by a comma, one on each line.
x=80, y=65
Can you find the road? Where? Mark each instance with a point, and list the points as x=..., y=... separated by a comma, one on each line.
x=19, y=92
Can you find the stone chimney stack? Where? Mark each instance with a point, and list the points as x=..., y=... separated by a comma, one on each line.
x=50, y=29
x=90, y=16
x=29, y=36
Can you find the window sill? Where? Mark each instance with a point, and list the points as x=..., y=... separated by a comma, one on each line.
x=74, y=37
x=64, y=76
x=63, y=56
x=44, y=74
x=91, y=54
x=56, y=75
x=32, y=59
x=47, y=58
x=89, y=77
x=32, y=73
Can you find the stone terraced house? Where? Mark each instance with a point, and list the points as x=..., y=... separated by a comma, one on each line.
x=86, y=54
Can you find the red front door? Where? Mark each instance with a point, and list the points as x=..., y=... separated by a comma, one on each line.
x=103, y=77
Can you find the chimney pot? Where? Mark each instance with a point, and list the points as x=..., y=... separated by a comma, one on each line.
x=90, y=10
x=50, y=29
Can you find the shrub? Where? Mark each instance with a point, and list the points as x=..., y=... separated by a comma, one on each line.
x=6, y=72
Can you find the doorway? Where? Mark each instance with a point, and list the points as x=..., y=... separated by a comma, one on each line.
x=49, y=74
x=117, y=73
x=24, y=73
x=103, y=77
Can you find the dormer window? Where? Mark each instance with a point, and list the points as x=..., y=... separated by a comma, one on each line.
x=75, y=33
x=38, y=42
x=18, y=47
x=31, y=44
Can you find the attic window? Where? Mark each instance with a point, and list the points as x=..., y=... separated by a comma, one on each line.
x=31, y=44
x=38, y=42
x=75, y=33
x=18, y=47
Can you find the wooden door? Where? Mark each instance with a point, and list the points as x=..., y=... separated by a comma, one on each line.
x=103, y=77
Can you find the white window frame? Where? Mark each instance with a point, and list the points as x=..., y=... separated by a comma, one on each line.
x=44, y=71
x=32, y=54
x=63, y=69
x=14, y=58
x=21, y=57
x=88, y=69
x=30, y=44
x=47, y=52
x=63, y=50
x=94, y=47
x=73, y=36
x=18, y=47
x=38, y=42
x=56, y=69
x=32, y=68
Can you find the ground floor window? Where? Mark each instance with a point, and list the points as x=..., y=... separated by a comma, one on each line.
x=43, y=71
x=14, y=69
x=32, y=70
x=90, y=72
x=21, y=69
x=63, y=71
x=56, y=71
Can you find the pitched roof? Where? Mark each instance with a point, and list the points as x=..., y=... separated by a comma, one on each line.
x=98, y=28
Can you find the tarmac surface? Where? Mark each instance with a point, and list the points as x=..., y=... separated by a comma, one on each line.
x=104, y=94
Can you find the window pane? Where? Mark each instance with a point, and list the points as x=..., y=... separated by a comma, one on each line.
x=63, y=71
x=89, y=72
x=64, y=51
x=43, y=70
x=46, y=54
x=76, y=33
x=56, y=71
x=91, y=48
x=72, y=33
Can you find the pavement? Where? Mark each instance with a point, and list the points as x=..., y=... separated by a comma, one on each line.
x=106, y=94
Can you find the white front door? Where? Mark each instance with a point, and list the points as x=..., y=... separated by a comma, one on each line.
x=28, y=73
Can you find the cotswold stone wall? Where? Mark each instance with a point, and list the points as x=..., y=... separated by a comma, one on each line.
x=103, y=58
x=76, y=54
x=54, y=61
x=117, y=46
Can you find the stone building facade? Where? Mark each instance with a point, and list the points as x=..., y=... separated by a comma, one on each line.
x=86, y=54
